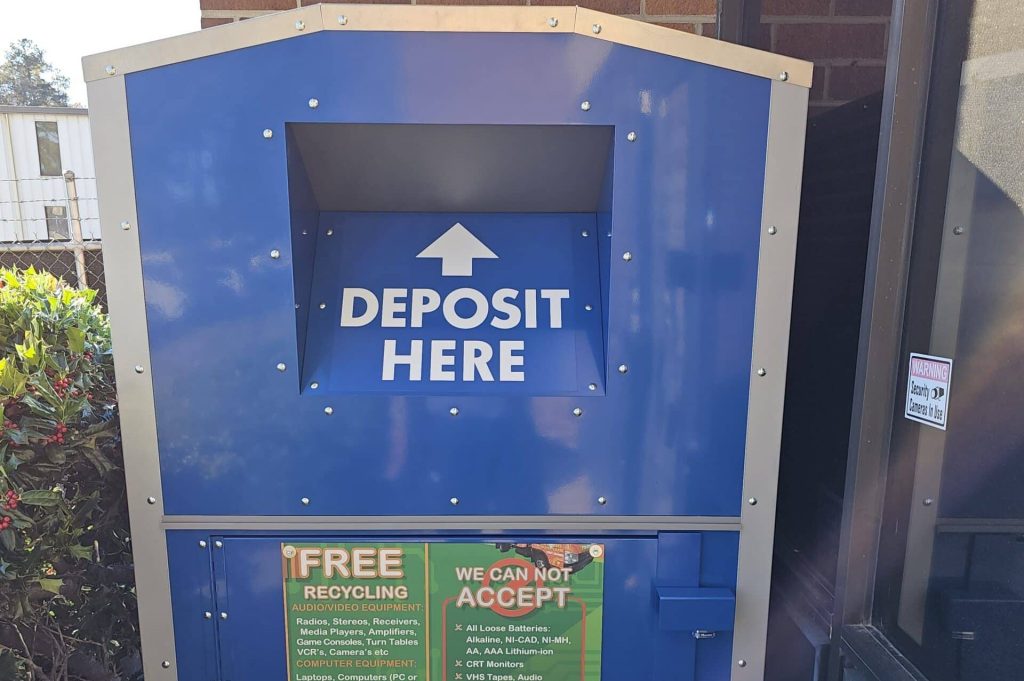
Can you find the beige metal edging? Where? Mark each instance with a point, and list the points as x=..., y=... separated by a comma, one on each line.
x=654, y=38
x=438, y=18
x=441, y=18
x=204, y=43
x=115, y=185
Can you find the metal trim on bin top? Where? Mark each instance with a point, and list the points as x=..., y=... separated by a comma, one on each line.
x=567, y=524
x=116, y=184
x=787, y=122
x=331, y=17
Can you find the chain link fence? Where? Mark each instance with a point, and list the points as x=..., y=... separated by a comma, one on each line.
x=54, y=239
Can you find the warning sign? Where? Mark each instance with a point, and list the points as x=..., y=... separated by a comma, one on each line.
x=928, y=389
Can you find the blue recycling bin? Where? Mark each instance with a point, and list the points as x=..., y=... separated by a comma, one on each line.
x=450, y=342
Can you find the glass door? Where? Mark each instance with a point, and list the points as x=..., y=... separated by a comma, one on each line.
x=950, y=591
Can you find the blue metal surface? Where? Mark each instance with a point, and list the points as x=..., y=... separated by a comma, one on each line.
x=635, y=646
x=238, y=437
x=562, y=354
x=691, y=609
x=192, y=595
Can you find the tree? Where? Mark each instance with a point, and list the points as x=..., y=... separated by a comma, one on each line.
x=27, y=79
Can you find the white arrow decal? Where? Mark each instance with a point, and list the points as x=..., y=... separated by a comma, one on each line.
x=457, y=248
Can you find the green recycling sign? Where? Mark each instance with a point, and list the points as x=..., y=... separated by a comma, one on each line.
x=443, y=611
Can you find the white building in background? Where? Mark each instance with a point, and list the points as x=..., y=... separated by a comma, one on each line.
x=38, y=146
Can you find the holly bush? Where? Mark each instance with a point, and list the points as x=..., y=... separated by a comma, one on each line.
x=67, y=599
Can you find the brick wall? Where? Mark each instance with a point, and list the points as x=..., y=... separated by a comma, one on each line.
x=846, y=39
x=693, y=16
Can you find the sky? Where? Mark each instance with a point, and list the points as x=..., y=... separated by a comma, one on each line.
x=67, y=30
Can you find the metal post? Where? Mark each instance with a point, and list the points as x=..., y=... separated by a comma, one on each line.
x=892, y=224
x=77, y=243
x=12, y=169
x=738, y=21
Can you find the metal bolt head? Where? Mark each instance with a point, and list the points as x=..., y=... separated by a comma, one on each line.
x=330, y=232
x=762, y=371
x=454, y=501
x=585, y=106
x=218, y=544
x=552, y=22
x=305, y=501
x=275, y=254
x=207, y=615
x=588, y=307
x=592, y=386
x=602, y=500
x=627, y=256
x=202, y=543
x=623, y=368
x=323, y=306
x=126, y=226
x=752, y=501
x=958, y=230
x=741, y=663
x=166, y=664
x=577, y=412
x=314, y=385
x=454, y=411
x=596, y=28
x=223, y=615
x=772, y=230
x=328, y=410
x=631, y=136
x=928, y=501
x=110, y=70
x=267, y=133
x=784, y=76
x=313, y=102
x=300, y=25
x=342, y=19
x=281, y=366
x=139, y=369
x=150, y=500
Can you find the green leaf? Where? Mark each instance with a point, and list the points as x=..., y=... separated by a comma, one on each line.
x=56, y=454
x=45, y=391
x=79, y=551
x=97, y=459
x=26, y=352
x=51, y=585
x=8, y=539
x=40, y=497
x=12, y=381
x=76, y=339
x=18, y=437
